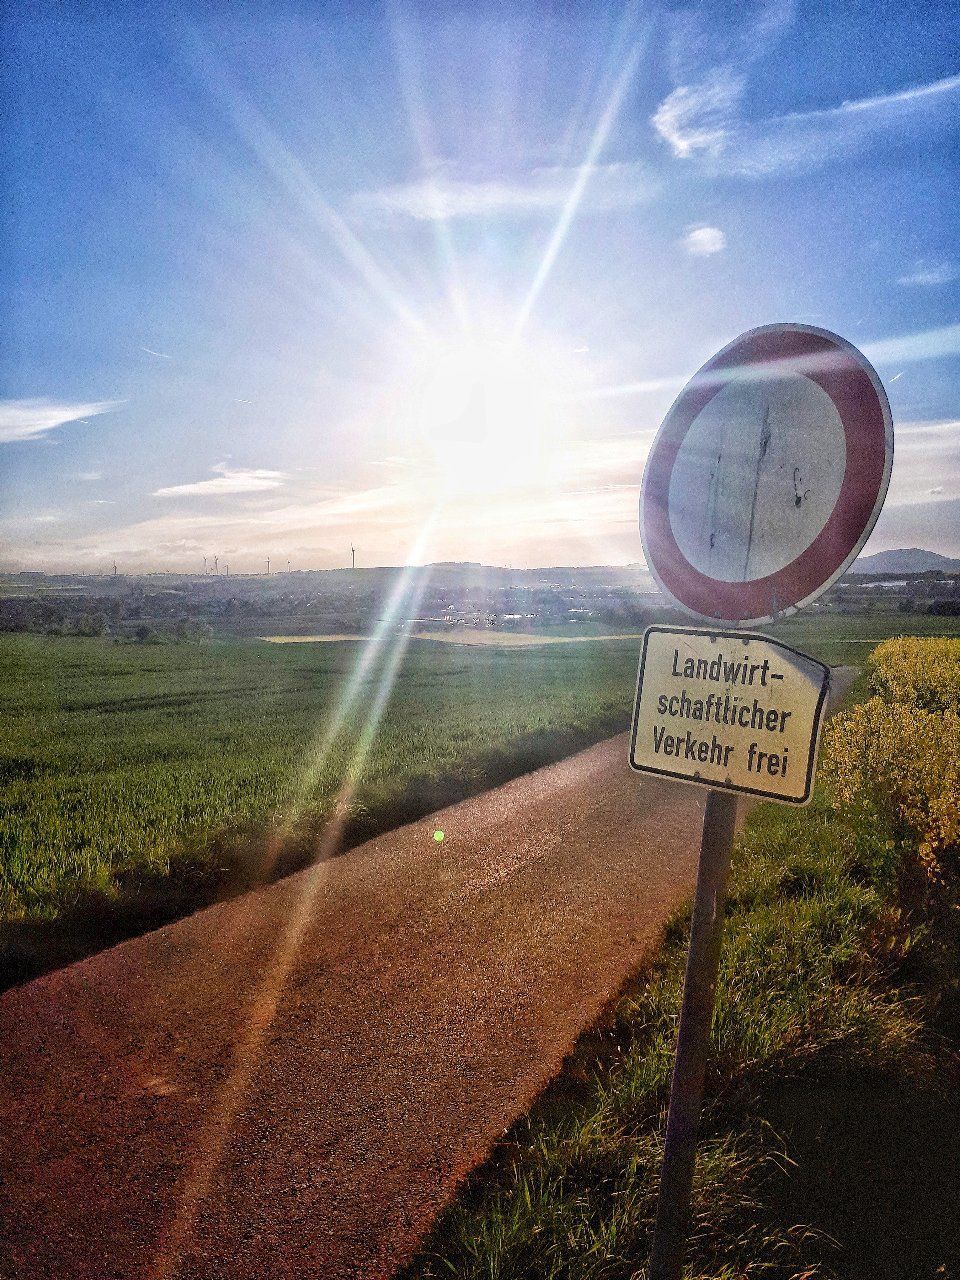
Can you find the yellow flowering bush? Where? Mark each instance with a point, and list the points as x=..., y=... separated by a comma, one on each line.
x=922, y=673
x=898, y=754
x=903, y=763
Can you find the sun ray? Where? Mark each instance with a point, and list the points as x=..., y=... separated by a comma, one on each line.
x=405, y=595
x=600, y=134
x=411, y=85
x=292, y=176
x=217, y=1125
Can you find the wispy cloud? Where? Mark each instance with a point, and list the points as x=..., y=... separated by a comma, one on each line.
x=703, y=241
x=89, y=477
x=444, y=196
x=928, y=344
x=583, y=469
x=585, y=511
x=697, y=119
x=708, y=60
x=930, y=274
x=909, y=348
x=226, y=480
x=702, y=121
x=926, y=463
x=28, y=419
x=161, y=355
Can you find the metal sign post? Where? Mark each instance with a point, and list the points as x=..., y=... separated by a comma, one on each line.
x=739, y=713
x=761, y=487
x=693, y=1039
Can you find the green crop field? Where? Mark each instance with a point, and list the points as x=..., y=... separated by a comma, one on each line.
x=847, y=639
x=129, y=770
x=125, y=763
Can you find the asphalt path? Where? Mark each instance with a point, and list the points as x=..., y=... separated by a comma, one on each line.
x=292, y=1084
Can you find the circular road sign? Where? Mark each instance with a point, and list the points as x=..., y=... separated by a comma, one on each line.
x=767, y=475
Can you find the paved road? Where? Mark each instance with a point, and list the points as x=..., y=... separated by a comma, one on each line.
x=292, y=1084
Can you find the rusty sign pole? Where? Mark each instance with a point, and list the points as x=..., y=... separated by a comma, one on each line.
x=693, y=1037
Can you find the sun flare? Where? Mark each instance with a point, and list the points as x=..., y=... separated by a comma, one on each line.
x=488, y=418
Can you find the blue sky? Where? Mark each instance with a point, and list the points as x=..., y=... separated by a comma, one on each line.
x=254, y=267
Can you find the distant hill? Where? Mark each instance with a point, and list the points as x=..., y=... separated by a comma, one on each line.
x=905, y=560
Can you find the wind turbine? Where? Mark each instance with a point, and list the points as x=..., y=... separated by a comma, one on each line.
x=204, y=566
x=353, y=556
x=268, y=564
x=216, y=566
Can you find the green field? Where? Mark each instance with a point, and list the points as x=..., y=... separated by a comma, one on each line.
x=840, y=639
x=147, y=768
x=137, y=781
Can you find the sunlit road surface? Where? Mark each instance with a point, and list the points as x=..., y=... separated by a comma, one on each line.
x=234, y=1097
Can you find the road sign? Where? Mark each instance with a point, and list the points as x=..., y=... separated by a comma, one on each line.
x=762, y=485
x=730, y=710
x=767, y=475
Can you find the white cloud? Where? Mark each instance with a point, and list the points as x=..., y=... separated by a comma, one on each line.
x=702, y=120
x=583, y=512
x=443, y=196
x=605, y=459
x=644, y=387
x=698, y=117
x=926, y=462
x=927, y=274
x=225, y=481
x=909, y=348
x=702, y=35
x=88, y=477
x=703, y=241
x=28, y=419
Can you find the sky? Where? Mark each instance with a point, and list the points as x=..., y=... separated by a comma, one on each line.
x=424, y=279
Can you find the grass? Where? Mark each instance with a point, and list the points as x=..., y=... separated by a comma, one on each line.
x=137, y=781
x=818, y=1048
x=831, y=1127
x=846, y=639
x=467, y=636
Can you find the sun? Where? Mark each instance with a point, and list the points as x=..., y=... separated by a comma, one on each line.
x=488, y=417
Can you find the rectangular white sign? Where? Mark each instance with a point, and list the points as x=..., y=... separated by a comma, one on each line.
x=728, y=709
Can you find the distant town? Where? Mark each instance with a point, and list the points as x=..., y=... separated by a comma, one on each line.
x=170, y=607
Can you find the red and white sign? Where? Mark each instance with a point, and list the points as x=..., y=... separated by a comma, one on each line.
x=767, y=475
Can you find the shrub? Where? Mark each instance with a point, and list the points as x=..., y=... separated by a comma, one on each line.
x=897, y=756
x=903, y=764
x=923, y=673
